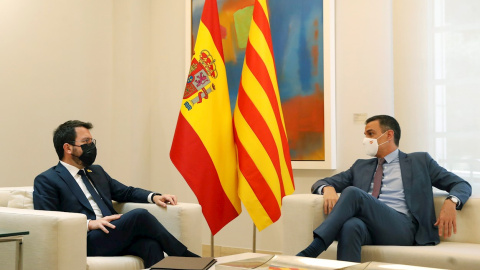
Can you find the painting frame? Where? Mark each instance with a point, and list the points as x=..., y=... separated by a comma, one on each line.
x=330, y=162
x=329, y=85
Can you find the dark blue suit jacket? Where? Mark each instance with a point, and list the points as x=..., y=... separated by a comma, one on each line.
x=419, y=173
x=56, y=190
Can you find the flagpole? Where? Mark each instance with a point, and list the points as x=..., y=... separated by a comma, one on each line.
x=254, y=247
x=211, y=246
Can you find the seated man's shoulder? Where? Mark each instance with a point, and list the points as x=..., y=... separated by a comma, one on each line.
x=47, y=178
x=96, y=168
x=363, y=161
x=422, y=155
x=48, y=172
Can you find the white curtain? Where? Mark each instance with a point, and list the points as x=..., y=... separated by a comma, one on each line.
x=437, y=81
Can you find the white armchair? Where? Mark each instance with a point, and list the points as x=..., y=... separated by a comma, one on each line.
x=302, y=213
x=57, y=240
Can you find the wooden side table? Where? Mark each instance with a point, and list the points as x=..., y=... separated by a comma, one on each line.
x=16, y=236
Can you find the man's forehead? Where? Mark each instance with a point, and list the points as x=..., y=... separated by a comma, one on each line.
x=82, y=132
x=372, y=126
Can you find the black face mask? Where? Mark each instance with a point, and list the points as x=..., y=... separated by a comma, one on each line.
x=89, y=154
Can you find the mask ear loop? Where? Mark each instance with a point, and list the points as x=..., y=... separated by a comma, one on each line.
x=381, y=136
x=383, y=142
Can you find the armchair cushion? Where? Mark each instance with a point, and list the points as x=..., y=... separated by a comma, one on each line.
x=17, y=197
x=127, y=262
x=22, y=199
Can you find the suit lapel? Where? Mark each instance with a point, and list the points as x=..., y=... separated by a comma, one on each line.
x=73, y=185
x=93, y=178
x=407, y=177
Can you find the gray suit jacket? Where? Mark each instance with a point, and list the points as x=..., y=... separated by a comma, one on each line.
x=419, y=173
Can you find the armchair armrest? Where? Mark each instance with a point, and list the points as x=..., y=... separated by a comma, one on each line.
x=57, y=240
x=301, y=214
x=181, y=220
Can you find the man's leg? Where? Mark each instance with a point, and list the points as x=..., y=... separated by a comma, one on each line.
x=353, y=235
x=387, y=226
x=147, y=249
x=138, y=223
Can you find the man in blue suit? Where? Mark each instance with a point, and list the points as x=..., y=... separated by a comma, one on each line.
x=75, y=185
x=387, y=200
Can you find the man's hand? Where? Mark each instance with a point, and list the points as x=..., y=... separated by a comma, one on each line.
x=330, y=198
x=447, y=220
x=102, y=223
x=162, y=200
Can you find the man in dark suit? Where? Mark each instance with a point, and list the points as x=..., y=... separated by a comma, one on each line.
x=387, y=200
x=75, y=185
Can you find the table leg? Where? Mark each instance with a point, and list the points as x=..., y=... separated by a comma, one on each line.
x=18, y=250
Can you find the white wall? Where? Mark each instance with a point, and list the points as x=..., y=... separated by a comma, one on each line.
x=55, y=65
x=122, y=65
x=411, y=49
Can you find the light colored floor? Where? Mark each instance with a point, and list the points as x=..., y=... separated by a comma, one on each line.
x=220, y=251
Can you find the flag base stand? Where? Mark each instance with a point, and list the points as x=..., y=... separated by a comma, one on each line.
x=254, y=246
x=212, y=253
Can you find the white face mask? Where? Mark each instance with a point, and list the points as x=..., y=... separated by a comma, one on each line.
x=371, y=145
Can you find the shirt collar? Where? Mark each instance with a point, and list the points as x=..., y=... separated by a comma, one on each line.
x=71, y=169
x=393, y=155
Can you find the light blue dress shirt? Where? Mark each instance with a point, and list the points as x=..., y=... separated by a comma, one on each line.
x=392, y=192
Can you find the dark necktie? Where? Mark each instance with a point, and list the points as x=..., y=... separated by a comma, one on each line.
x=377, y=178
x=103, y=207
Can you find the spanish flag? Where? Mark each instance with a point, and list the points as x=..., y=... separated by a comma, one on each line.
x=203, y=148
x=264, y=166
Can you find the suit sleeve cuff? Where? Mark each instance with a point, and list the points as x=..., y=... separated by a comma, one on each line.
x=150, y=196
x=320, y=189
x=459, y=203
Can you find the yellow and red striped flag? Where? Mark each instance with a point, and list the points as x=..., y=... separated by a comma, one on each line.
x=264, y=166
x=203, y=148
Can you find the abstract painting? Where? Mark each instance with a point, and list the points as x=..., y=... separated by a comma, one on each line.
x=297, y=28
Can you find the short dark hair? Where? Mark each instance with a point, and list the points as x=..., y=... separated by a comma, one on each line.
x=65, y=133
x=387, y=122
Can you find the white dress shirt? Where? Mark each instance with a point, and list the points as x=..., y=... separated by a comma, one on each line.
x=78, y=178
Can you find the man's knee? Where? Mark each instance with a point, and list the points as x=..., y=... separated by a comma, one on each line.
x=139, y=213
x=351, y=190
x=352, y=193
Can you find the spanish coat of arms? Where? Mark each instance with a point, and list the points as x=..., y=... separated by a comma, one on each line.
x=199, y=84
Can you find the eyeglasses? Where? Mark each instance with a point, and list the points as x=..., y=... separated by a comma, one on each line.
x=86, y=141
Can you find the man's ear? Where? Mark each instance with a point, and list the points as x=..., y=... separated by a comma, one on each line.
x=67, y=148
x=390, y=135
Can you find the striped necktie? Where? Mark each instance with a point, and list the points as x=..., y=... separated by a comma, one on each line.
x=377, y=178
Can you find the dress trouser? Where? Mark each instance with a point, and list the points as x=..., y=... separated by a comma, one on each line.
x=137, y=233
x=360, y=219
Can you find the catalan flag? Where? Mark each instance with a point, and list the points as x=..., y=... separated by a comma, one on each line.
x=203, y=148
x=264, y=166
